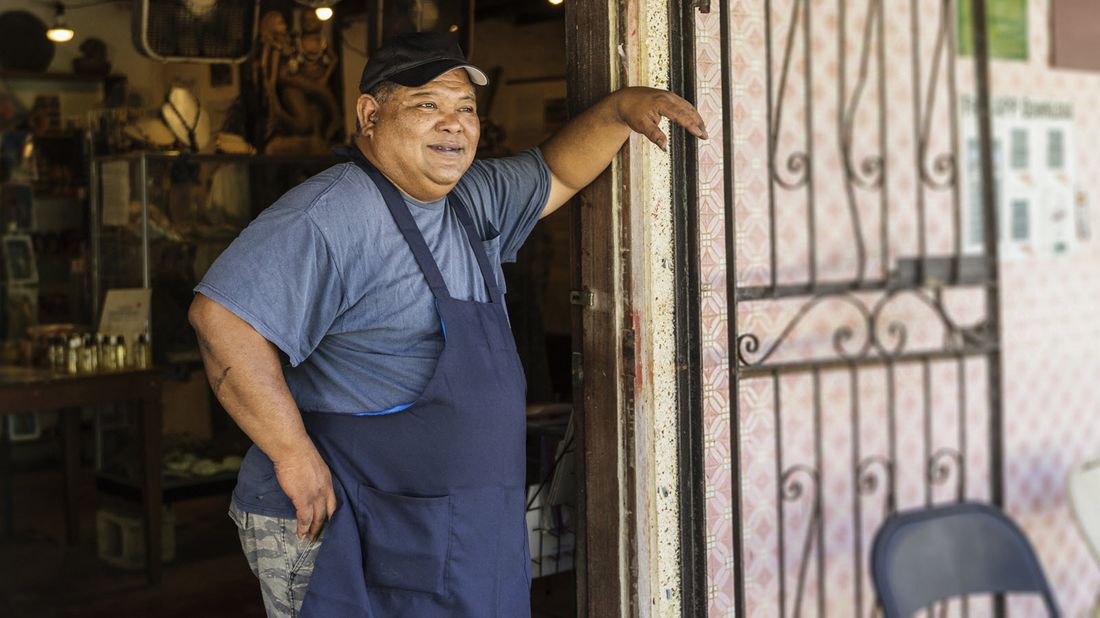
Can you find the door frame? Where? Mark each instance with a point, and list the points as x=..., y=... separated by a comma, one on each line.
x=602, y=349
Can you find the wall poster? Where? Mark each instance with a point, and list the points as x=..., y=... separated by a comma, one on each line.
x=1038, y=204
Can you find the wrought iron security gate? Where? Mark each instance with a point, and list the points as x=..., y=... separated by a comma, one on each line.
x=832, y=313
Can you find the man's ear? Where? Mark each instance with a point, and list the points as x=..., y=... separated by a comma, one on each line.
x=366, y=112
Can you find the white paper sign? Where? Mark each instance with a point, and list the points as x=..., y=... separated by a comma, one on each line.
x=126, y=313
x=1034, y=160
x=116, y=192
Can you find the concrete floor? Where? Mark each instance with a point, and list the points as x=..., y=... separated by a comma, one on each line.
x=208, y=577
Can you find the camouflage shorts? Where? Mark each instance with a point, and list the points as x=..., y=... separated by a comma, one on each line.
x=281, y=562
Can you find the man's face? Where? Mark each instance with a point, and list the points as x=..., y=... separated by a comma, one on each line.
x=426, y=136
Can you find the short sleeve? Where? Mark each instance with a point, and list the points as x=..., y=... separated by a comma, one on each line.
x=279, y=276
x=510, y=193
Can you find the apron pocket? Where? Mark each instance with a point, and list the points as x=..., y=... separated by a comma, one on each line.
x=405, y=540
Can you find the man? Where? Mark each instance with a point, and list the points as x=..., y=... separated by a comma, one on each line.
x=356, y=332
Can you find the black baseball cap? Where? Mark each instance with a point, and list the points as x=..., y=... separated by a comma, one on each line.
x=416, y=58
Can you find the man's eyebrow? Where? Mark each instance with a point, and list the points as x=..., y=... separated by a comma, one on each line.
x=436, y=93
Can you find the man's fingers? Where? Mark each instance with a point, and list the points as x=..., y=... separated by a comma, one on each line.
x=310, y=521
x=318, y=522
x=305, y=519
x=656, y=135
x=654, y=105
x=684, y=114
x=329, y=508
x=330, y=503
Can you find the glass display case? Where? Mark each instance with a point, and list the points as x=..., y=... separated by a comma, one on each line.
x=160, y=219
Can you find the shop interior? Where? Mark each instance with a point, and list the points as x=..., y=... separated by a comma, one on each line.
x=136, y=140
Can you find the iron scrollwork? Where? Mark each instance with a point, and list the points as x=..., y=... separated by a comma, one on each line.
x=797, y=163
x=792, y=490
x=940, y=466
x=888, y=339
x=877, y=329
x=870, y=174
x=944, y=171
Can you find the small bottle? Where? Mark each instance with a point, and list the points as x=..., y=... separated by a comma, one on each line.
x=120, y=353
x=107, y=353
x=57, y=353
x=143, y=353
x=89, y=355
x=60, y=353
x=72, y=355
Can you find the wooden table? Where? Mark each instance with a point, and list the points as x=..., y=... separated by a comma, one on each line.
x=29, y=390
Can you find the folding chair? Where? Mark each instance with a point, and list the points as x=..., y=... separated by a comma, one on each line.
x=924, y=556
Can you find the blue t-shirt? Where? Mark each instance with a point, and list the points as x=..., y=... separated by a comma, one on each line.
x=326, y=276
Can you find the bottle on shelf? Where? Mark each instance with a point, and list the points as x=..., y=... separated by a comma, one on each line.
x=58, y=352
x=120, y=354
x=107, y=356
x=143, y=353
x=89, y=355
x=72, y=355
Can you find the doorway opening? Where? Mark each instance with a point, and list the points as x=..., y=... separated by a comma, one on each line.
x=522, y=45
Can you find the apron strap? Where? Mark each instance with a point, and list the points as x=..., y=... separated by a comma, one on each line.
x=405, y=223
x=487, y=272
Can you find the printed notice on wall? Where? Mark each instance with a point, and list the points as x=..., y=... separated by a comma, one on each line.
x=1040, y=210
x=115, y=177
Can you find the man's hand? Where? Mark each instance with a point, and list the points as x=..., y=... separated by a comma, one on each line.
x=641, y=109
x=584, y=147
x=306, y=480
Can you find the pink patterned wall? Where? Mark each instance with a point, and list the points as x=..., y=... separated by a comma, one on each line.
x=1050, y=327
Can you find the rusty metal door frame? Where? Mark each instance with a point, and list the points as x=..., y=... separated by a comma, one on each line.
x=689, y=382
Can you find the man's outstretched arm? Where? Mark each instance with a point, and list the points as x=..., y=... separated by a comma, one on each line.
x=584, y=147
x=247, y=378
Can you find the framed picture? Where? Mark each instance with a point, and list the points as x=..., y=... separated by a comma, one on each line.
x=23, y=427
x=17, y=206
x=19, y=264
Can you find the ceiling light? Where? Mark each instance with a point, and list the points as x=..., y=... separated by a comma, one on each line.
x=60, y=32
x=555, y=2
x=322, y=9
x=199, y=8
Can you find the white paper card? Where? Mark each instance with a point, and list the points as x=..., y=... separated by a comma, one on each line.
x=126, y=313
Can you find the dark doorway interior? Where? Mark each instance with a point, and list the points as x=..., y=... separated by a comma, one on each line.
x=523, y=45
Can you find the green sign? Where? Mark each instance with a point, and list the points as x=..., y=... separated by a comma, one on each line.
x=1007, y=22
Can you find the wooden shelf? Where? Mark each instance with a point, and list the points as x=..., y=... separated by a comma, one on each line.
x=175, y=488
x=61, y=134
x=58, y=77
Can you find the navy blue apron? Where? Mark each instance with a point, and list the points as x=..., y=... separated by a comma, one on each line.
x=430, y=518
